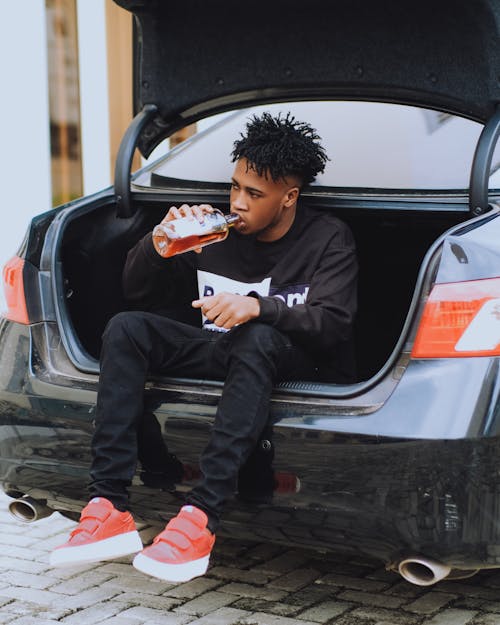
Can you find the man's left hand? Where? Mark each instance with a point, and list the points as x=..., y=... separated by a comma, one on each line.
x=227, y=310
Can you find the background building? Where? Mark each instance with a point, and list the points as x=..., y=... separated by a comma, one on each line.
x=66, y=100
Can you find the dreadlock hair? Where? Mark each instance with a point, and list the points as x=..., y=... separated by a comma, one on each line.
x=280, y=147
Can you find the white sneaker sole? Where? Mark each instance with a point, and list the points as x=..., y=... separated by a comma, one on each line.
x=171, y=572
x=107, y=549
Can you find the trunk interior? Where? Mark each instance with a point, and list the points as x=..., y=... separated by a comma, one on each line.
x=391, y=245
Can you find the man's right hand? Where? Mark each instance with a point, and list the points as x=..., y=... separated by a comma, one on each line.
x=197, y=211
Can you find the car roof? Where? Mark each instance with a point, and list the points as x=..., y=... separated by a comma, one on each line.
x=201, y=57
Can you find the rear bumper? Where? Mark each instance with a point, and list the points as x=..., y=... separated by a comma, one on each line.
x=366, y=486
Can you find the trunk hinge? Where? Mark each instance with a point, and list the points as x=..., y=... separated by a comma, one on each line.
x=481, y=165
x=124, y=160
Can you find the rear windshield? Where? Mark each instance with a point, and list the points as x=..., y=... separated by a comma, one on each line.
x=370, y=145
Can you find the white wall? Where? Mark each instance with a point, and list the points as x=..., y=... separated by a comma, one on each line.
x=93, y=95
x=25, y=176
x=24, y=125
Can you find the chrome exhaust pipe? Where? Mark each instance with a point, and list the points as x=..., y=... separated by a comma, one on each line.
x=28, y=509
x=423, y=571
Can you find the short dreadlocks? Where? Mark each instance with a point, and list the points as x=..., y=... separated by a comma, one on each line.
x=281, y=147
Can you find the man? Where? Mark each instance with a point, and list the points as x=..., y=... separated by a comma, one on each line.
x=280, y=293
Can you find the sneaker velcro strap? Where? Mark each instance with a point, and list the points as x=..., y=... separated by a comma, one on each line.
x=88, y=525
x=175, y=539
x=94, y=511
x=186, y=527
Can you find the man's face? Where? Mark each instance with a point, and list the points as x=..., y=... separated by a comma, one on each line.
x=265, y=207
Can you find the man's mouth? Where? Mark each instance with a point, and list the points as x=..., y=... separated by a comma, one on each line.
x=240, y=223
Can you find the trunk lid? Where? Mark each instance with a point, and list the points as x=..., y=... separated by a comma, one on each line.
x=195, y=58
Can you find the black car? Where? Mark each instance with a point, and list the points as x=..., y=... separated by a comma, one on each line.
x=403, y=464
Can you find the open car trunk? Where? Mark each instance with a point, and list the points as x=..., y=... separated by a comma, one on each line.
x=391, y=246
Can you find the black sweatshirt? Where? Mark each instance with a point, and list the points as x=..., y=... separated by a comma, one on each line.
x=306, y=283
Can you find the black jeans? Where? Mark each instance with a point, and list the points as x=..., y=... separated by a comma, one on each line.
x=250, y=359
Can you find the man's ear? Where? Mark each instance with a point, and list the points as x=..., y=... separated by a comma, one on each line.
x=291, y=196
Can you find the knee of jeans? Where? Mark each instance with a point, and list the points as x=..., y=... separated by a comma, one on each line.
x=259, y=336
x=123, y=323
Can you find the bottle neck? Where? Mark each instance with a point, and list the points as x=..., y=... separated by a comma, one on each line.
x=231, y=219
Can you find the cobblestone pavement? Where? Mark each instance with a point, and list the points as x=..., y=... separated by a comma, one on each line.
x=246, y=584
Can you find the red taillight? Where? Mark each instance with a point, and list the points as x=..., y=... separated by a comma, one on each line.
x=460, y=319
x=14, y=291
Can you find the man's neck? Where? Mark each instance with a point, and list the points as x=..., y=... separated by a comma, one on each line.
x=273, y=232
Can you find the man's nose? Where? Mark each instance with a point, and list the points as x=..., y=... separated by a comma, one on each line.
x=238, y=200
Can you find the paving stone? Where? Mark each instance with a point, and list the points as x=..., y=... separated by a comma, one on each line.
x=146, y=584
x=429, y=603
x=294, y=580
x=115, y=568
x=404, y=589
x=93, y=614
x=231, y=548
x=325, y=611
x=19, y=540
x=355, y=583
x=246, y=590
x=32, y=620
x=259, y=618
x=67, y=604
x=20, y=607
x=253, y=576
x=223, y=616
x=8, y=563
x=486, y=619
x=489, y=606
x=157, y=602
x=81, y=582
x=67, y=572
x=206, y=603
x=10, y=527
x=284, y=563
x=471, y=590
x=194, y=588
x=264, y=552
x=171, y=619
x=367, y=598
x=121, y=620
x=142, y=613
x=452, y=617
x=31, y=595
x=26, y=553
x=396, y=617
x=18, y=578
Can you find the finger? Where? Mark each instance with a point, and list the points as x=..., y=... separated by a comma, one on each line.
x=186, y=211
x=198, y=250
x=212, y=311
x=203, y=301
x=173, y=213
x=198, y=213
x=207, y=208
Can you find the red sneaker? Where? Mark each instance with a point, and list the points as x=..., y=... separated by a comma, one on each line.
x=103, y=533
x=181, y=551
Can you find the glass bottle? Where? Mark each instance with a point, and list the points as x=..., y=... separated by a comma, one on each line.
x=183, y=234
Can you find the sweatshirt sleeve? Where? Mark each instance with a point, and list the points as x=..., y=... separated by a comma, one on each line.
x=327, y=315
x=151, y=282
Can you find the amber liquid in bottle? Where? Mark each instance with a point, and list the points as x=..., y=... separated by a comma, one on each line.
x=183, y=235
